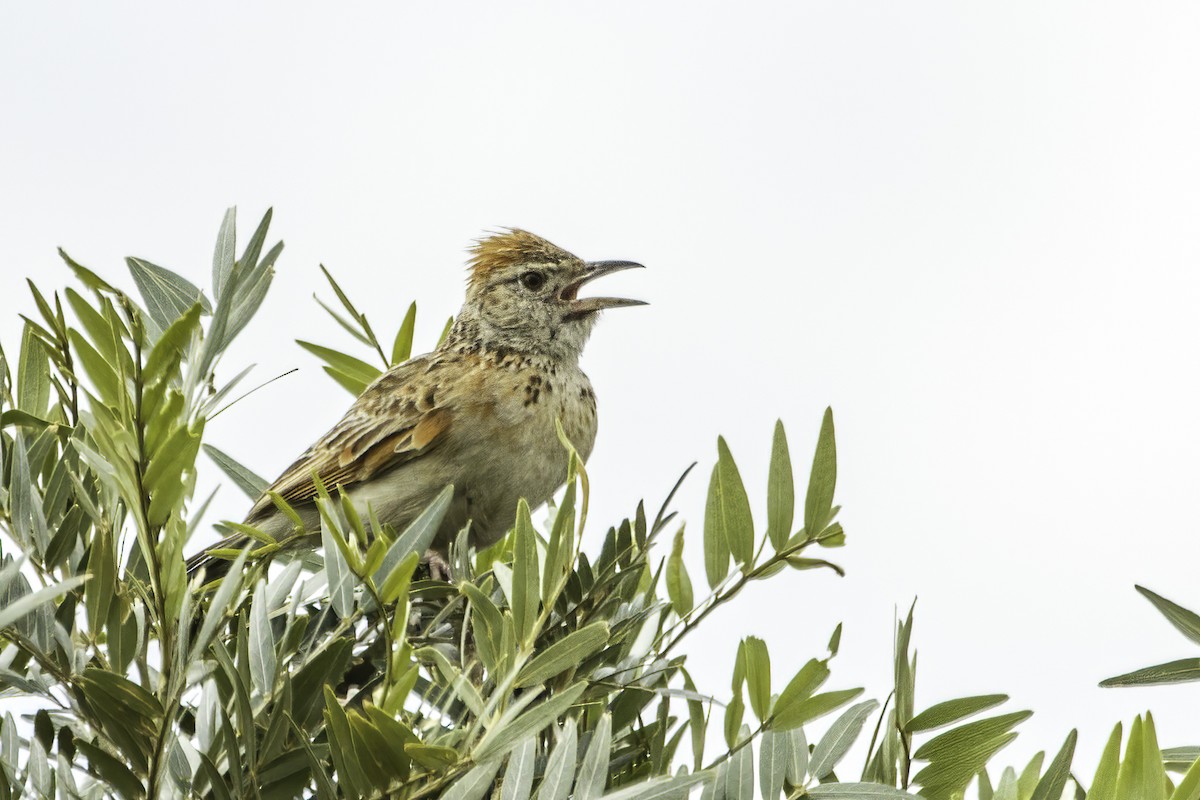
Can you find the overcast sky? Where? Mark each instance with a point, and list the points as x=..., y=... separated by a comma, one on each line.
x=971, y=228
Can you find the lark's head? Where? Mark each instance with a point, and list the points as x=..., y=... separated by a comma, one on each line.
x=523, y=294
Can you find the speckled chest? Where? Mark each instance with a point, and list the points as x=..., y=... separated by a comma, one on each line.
x=534, y=395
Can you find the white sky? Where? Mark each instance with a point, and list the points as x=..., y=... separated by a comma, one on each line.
x=968, y=227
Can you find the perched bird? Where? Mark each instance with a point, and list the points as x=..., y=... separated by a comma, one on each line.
x=478, y=412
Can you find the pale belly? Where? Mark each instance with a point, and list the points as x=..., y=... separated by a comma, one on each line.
x=510, y=451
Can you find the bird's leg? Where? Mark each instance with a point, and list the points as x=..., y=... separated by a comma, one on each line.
x=439, y=568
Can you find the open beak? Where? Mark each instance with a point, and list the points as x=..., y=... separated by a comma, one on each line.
x=580, y=307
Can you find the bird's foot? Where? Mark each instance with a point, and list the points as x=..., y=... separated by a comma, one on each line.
x=439, y=568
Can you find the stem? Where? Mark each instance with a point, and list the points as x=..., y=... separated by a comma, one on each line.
x=166, y=635
x=738, y=747
x=724, y=595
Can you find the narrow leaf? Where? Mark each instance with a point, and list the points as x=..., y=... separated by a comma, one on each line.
x=781, y=490
x=570, y=651
x=822, y=480
x=833, y=746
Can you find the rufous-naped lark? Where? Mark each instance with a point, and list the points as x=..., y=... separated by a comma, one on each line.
x=477, y=413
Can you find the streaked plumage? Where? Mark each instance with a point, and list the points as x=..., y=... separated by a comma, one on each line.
x=479, y=412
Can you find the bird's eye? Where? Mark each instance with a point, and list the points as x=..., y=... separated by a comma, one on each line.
x=533, y=280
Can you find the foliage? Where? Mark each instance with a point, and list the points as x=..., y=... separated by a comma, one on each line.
x=352, y=673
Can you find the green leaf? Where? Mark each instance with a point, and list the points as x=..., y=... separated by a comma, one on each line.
x=507, y=733
x=1051, y=786
x=781, y=491
x=85, y=275
x=1182, y=671
x=734, y=507
x=951, y=711
x=822, y=480
x=352, y=367
x=1030, y=775
x=167, y=295
x=800, y=688
x=402, y=346
x=679, y=584
x=100, y=591
x=834, y=745
x=1189, y=786
x=525, y=575
x=951, y=743
x=1185, y=621
x=816, y=706
x=33, y=375
x=417, y=537
x=1104, y=784
x=251, y=484
x=697, y=724
x=570, y=651
x=560, y=548
x=219, y=606
x=716, y=544
x=1142, y=776
x=758, y=676
x=341, y=746
x=1180, y=759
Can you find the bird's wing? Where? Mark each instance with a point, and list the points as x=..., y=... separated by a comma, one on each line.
x=401, y=415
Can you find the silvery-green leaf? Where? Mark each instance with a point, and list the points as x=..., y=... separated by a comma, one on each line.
x=14, y=611
x=659, y=788
x=569, y=651
x=739, y=777
x=220, y=605
x=338, y=573
x=475, y=784
x=262, y=642
x=224, y=254
x=773, y=752
x=510, y=732
x=251, y=484
x=797, y=766
x=859, y=791
x=518, y=775
x=560, y=767
x=418, y=536
x=166, y=294
x=593, y=773
x=838, y=739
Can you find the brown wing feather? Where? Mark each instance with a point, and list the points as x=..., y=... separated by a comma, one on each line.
x=392, y=422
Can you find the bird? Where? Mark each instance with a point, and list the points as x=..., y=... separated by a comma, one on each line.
x=479, y=413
